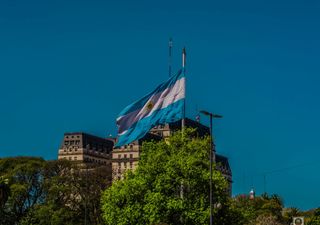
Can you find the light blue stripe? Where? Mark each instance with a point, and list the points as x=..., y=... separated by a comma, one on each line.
x=141, y=102
x=172, y=113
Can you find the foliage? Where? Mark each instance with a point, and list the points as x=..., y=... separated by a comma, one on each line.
x=24, y=175
x=315, y=219
x=51, y=192
x=4, y=191
x=267, y=220
x=170, y=186
x=289, y=213
x=259, y=209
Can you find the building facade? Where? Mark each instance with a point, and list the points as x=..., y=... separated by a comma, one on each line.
x=87, y=149
x=96, y=151
x=222, y=165
x=127, y=157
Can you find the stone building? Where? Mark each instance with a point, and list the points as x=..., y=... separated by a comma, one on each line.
x=96, y=151
x=222, y=164
x=168, y=129
x=85, y=148
x=126, y=157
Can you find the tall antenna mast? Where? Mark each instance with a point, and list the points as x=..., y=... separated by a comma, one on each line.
x=170, y=57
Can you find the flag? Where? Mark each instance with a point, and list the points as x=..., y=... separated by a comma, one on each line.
x=163, y=105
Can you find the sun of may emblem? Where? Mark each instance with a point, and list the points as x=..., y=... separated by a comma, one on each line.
x=149, y=106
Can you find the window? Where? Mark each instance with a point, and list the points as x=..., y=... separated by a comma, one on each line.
x=131, y=165
x=70, y=158
x=75, y=158
x=66, y=142
x=125, y=156
x=131, y=156
x=119, y=156
x=125, y=165
x=131, y=146
x=119, y=164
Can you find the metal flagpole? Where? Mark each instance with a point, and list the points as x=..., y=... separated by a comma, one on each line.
x=184, y=101
x=170, y=57
x=183, y=118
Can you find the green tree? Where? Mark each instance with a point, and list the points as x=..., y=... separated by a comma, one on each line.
x=261, y=208
x=50, y=192
x=315, y=219
x=4, y=191
x=289, y=213
x=73, y=193
x=170, y=186
x=267, y=220
x=24, y=175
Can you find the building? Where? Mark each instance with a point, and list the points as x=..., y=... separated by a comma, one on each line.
x=87, y=149
x=126, y=157
x=96, y=151
x=167, y=129
x=222, y=164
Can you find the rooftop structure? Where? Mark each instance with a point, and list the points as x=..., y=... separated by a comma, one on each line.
x=85, y=148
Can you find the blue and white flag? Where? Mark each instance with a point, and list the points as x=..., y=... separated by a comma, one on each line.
x=163, y=105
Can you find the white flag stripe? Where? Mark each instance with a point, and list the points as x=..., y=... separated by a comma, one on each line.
x=160, y=100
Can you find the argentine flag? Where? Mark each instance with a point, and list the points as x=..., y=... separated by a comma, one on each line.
x=163, y=105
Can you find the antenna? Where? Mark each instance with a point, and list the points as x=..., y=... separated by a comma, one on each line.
x=170, y=56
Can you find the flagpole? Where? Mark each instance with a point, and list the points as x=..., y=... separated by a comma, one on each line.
x=170, y=57
x=183, y=117
x=184, y=100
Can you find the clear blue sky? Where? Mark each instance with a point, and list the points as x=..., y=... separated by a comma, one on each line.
x=73, y=65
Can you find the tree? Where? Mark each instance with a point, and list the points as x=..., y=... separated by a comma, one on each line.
x=73, y=193
x=262, y=208
x=24, y=175
x=267, y=220
x=289, y=213
x=4, y=191
x=50, y=192
x=315, y=219
x=170, y=185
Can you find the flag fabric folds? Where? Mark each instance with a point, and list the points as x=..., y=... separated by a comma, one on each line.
x=163, y=105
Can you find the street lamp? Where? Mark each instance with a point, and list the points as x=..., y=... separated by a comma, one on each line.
x=211, y=115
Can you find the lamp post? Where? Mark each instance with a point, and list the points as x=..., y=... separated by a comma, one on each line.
x=211, y=116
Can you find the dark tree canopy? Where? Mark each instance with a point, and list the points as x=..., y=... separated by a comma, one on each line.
x=50, y=192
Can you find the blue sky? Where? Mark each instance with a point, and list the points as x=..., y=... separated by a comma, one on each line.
x=73, y=65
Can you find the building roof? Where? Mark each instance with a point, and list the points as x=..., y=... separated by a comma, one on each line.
x=89, y=137
x=202, y=130
x=223, y=161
